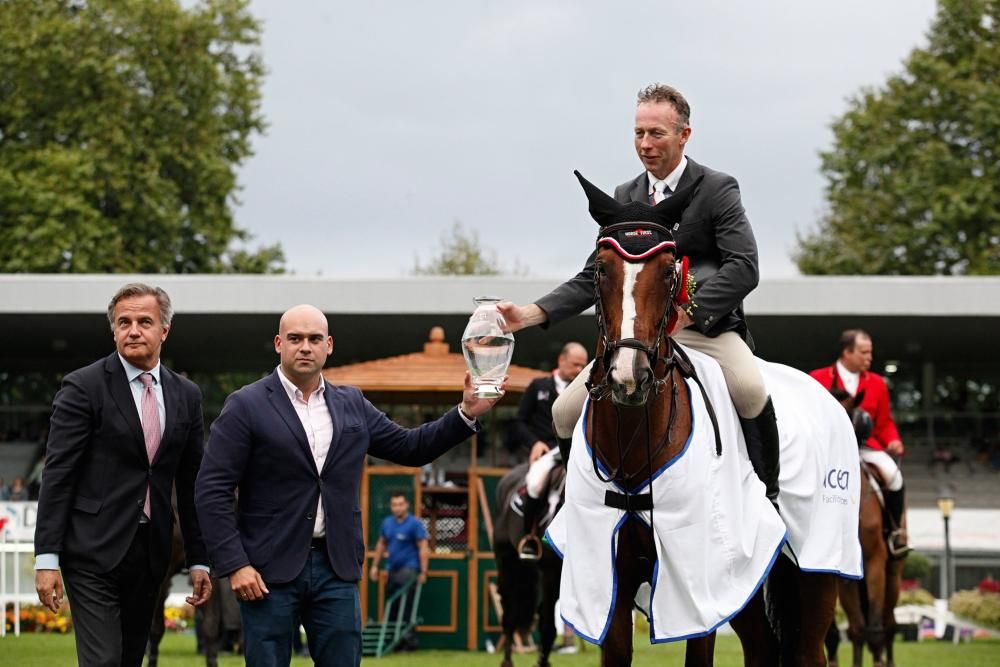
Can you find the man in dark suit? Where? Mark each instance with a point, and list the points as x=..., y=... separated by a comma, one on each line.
x=716, y=236
x=291, y=542
x=534, y=434
x=533, y=427
x=124, y=430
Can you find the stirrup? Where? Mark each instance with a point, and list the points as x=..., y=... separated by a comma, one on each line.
x=529, y=541
x=895, y=551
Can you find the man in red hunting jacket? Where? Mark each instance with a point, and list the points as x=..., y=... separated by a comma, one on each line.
x=851, y=373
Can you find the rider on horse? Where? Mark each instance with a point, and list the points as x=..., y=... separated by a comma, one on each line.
x=851, y=373
x=533, y=430
x=717, y=239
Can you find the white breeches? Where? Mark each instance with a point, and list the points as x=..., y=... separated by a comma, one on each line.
x=886, y=466
x=538, y=472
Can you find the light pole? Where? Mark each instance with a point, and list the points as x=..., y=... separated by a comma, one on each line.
x=946, y=503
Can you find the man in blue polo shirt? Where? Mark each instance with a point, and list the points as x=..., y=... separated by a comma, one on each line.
x=405, y=538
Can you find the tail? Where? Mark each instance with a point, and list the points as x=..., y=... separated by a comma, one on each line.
x=781, y=597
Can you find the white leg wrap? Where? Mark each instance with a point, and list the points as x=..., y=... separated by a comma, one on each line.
x=538, y=473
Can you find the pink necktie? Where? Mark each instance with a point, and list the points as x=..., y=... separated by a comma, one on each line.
x=150, y=426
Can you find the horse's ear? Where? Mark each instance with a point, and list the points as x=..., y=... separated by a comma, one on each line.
x=603, y=207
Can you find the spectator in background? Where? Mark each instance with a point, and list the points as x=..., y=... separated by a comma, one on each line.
x=35, y=478
x=405, y=538
x=4, y=490
x=533, y=427
x=18, y=490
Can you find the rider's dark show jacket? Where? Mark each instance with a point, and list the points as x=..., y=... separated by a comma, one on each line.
x=713, y=233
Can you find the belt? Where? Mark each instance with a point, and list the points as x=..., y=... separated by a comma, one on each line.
x=318, y=543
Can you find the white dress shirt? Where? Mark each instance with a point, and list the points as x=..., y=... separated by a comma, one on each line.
x=850, y=380
x=317, y=422
x=672, y=179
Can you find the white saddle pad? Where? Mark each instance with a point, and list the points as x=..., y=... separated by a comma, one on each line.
x=716, y=534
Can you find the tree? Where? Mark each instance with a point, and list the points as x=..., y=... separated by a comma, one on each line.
x=462, y=255
x=122, y=123
x=912, y=177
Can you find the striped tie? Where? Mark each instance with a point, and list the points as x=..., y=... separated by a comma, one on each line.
x=661, y=191
x=150, y=426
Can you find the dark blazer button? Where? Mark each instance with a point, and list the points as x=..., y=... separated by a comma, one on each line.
x=142, y=502
x=310, y=516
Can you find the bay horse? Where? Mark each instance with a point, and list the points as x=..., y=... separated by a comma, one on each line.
x=870, y=603
x=526, y=587
x=639, y=419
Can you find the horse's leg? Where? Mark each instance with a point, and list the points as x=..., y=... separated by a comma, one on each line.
x=508, y=616
x=850, y=600
x=817, y=607
x=549, y=580
x=635, y=541
x=760, y=644
x=874, y=628
x=158, y=627
x=832, y=644
x=894, y=573
x=700, y=652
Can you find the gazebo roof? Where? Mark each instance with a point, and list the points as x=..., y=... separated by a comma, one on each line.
x=433, y=376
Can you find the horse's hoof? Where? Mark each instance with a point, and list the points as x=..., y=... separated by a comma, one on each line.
x=507, y=663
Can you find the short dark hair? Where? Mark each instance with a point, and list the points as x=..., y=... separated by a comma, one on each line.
x=661, y=93
x=142, y=289
x=848, y=339
x=398, y=494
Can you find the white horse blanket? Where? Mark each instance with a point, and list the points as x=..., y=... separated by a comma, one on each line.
x=716, y=534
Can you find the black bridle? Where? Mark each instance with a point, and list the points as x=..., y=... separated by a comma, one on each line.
x=600, y=387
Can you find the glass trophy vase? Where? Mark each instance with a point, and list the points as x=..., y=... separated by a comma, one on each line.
x=488, y=345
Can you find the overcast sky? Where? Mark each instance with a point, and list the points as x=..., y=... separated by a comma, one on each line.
x=389, y=121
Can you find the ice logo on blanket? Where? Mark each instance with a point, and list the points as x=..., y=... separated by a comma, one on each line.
x=836, y=479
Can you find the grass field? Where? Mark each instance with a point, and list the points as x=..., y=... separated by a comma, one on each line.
x=178, y=651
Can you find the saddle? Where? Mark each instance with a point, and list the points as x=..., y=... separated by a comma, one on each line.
x=878, y=484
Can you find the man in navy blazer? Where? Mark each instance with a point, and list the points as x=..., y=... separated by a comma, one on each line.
x=290, y=540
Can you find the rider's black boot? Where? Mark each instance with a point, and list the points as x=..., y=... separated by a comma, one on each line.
x=564, y=444
x=894, y=504
x=763, y=444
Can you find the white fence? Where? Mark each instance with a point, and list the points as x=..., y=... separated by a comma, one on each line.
x=17, y=536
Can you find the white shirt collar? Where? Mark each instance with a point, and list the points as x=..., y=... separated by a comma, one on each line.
x=672, y=179
x=296, y=393
x=131, y=372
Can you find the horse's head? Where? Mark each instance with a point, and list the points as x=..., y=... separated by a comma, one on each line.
x=860, y=419
x=635, y=284
x=634, y=296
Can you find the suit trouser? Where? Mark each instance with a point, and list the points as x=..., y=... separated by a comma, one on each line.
x=112, y=611
x=743, y=379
